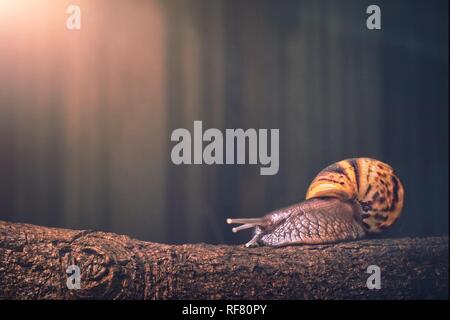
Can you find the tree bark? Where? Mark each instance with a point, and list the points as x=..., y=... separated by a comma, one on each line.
x=34, y=259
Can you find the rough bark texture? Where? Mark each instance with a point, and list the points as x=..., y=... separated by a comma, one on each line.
x=34, y=259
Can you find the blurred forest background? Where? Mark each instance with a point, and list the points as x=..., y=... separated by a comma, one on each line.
x=86, y=116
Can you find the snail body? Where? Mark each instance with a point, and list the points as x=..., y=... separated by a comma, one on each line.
x=346, y=201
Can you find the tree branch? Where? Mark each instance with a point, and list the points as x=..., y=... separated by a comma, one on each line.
x=34, y=259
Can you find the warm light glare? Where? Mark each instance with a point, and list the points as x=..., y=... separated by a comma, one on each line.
x=21, y=11
x=84, y=92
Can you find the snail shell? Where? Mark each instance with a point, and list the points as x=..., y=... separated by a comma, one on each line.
x=345, y=201
x=371, y=183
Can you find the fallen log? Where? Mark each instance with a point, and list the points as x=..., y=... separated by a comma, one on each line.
x=34, y=261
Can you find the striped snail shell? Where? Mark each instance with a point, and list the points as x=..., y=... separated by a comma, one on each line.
x=346, y=201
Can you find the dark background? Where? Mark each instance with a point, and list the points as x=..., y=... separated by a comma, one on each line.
x=86, y=116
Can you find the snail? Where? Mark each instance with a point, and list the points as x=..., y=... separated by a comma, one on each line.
x=346, y=201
